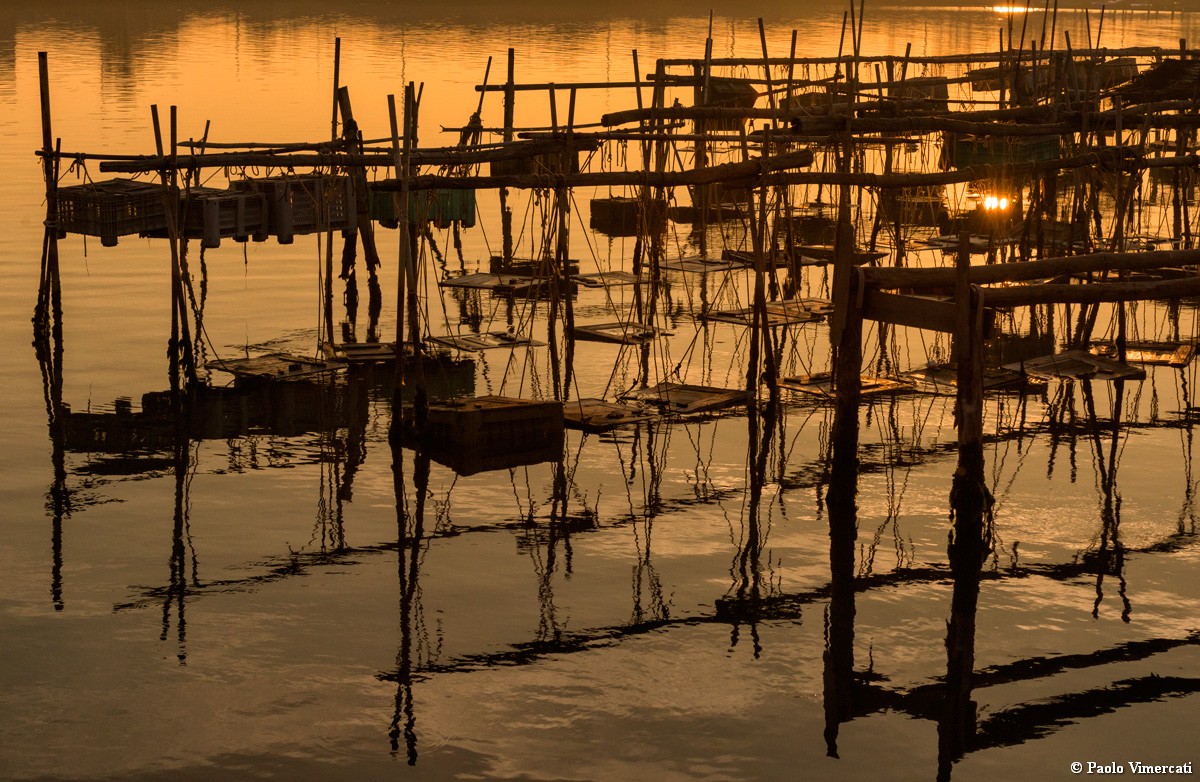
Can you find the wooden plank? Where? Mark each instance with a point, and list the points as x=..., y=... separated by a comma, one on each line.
x=821, y=384
x=697, y=264
x=779, y=313
x=942, y=379
x=1032, y=270
x=485, y=341
x=597, y=415
x=684, y=398
x=1077, y=365
x=1171, y=354
x=922, y=312
x=276, y=366
x=618, y=333
x=605, y=279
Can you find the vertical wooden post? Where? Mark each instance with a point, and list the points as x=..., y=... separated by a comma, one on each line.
x=400, y=162
x=168, y=206
x=49, y=302
x=333, y=134
x=510, y=97
x=420, y=401
x=553, y=279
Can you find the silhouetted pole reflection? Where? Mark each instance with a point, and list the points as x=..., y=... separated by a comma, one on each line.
x=645, y=576
x=970, y=510
x=176, y=595
x=841, y=496
x=1110, y=558
x=410, y=531
x=48, y=340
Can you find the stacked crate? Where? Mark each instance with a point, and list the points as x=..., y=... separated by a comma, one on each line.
x=303, y=203
x=110, y=209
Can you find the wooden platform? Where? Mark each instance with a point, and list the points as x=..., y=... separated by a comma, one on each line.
x=1168, y=354
x=827, y=253
x=822, y=385
x=501, y=283
x=275, y=367
x=696, y=264
x=683, y=398
x=779, y=313
x=486, y=341
x=976, y=243
x=618, y=333
x=1078, y=365
x=597, y=415
x=942, y=379
x=604, y=279
x=362, y=352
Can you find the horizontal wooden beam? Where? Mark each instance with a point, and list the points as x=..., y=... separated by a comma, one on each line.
x=748, y=172
x=919, y=312
x=1092, y=293
x=1046, y=268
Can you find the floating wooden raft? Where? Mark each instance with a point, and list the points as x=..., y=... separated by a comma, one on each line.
x=828, y=253
x=976, y=243
x=1078, y=365
x=494, y=432
x=492, y=339
x=744, y=259
x=500, y=283
x=275, y=366
x=779, y=313
x=942, y=379
x=363, y=352
x=618, y=333
x=1171, y=354
x=682, y=398
x=597, y=415
x=822, y=385
x=697, y=264
x=605, y=279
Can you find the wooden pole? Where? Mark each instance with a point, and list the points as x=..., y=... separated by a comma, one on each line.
x=510, y=98
x=400, y=201
x=333, y=134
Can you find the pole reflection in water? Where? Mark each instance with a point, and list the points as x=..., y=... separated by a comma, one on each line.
x=1110, y=557
x=177, y=588
x=410, y=543
x=838, y=657
x=645, y=578
x=747, y=591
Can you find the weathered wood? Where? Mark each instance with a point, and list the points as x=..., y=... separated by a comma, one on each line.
x=919, y=312
x=1045, y=268
x=1093, y=293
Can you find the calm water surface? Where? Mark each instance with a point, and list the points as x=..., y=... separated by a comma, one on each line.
x=256, y=617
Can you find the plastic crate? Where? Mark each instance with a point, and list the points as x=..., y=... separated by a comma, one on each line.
x=303, y=203
x=110, y=209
